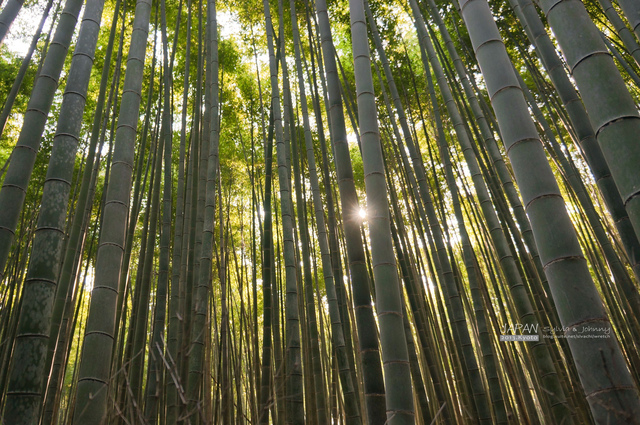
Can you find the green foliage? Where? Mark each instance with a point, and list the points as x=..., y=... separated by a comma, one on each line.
x=9, y=65
x=358, y=170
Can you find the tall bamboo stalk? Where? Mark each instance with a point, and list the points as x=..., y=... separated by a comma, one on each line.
x=395, y=357
x=94, y=371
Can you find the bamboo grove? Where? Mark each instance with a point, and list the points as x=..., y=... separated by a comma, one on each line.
x=311, y=212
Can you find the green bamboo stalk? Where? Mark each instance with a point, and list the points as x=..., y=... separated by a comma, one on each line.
x=416, y=376
x=315, y=404
x=138, y=188
x=179, y=239
x=489, y=361
x=124, y=346
x=623, y=32
x=8, y=15
x=94, y=371
x=631, y=10
x=191, y=260
x=294, y=397
x=134, y=359
x=633, y=75
x=416, y=205
x=156, y=350
x=308, y=300
x=142, y=294
x=267, y=282
x=373, y=385
x=351, y=406
x=79, y=218
x=331, y=206
x=75, y=242
x=395, y=358
x=196, y=364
